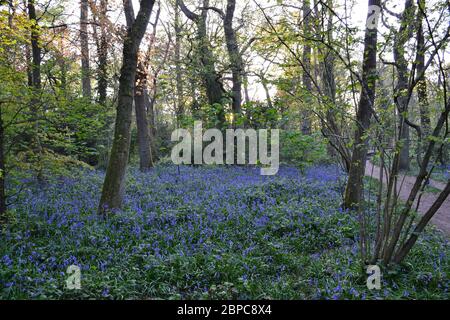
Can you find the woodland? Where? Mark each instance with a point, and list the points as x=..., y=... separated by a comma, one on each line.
x=92, y=91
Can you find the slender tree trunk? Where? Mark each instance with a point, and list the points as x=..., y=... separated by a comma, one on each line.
x=264, y=83
x=35, y=47
x=84, y=45
x=179, y=71
x=36, y=87
x=404, y=160
x=421, y=177
x=353, y=191
x=422, y=93
x=152, y=124
x=2, y=171
x=102, y=51
x=331, y=129
x=246, y=92
x=306, y=78
x=114, y=184
x=401, y=95
x=29, y=66
x=101, y=41
x=406, y=248
x=143, y=133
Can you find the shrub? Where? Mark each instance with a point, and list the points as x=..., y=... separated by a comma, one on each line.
x=302, y=150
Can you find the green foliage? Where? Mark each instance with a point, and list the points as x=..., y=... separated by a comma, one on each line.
x=260, y=115
x=302, y=150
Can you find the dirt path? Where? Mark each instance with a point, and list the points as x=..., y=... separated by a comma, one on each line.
x=441, y=219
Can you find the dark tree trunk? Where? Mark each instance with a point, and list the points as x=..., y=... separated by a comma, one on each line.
x=401, y=90
x=179, y=71
x=143, y=133
x=353, y=191
x=210, y=78
x=36, y=86
x=2, y=172
x=422, y=83
x=141, y=104
x=29, y=65
x=84, y=46
x=245, y=84
x=114, y=184
x=35, y=48
x=306, y=78
x=102, y=52
x=237, y=65
x=214, y=89
x=152, y=123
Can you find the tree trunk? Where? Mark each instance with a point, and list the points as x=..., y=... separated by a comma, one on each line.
x=143, y=133
x=245, y=84
x=114, y=184
x=210, y=78
x=36, y=86
x=2, y=172
x=35, y=48
x=101, y=42
x=214, y=89
x=401, y=90
x=264, y=83
x=422, y=83
x=354, y=188
x=84, y=46
x=306, y=78
x=102, y=52
x=421, y=177
x=406, y=248
x=179, y=71
x=152, y=121
x=331, y=129
x=237, y=65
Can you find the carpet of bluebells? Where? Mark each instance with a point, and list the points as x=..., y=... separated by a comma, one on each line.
x=202, y=233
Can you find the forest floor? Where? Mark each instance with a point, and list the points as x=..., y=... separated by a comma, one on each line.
x=405, y=183
x=203, y=233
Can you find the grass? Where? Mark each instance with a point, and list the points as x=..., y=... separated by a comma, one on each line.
x=206, y=233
